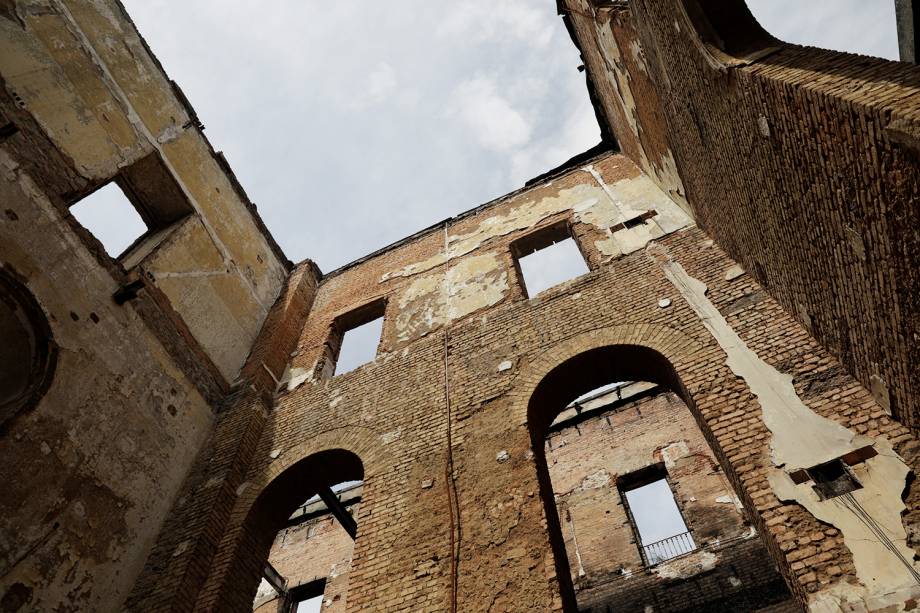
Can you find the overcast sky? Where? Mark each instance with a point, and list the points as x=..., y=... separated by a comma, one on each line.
x=352, y=124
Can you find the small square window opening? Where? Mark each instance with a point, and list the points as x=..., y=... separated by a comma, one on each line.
x=833, y=479
x=548, y=258
x=111, y=218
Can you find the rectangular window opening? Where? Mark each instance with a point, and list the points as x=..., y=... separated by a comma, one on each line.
x=111, y=217
x=308, y=598
x=357, y=336
x=655, y=516
x=131, y=214
x=547, y=258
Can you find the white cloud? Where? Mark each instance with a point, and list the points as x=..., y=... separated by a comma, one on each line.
x=487, y=19
x=382, y=82
x=493, y=121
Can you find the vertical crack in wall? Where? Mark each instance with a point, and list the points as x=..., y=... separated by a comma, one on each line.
x=870, y=517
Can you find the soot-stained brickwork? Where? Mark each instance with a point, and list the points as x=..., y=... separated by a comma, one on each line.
x=752, y=252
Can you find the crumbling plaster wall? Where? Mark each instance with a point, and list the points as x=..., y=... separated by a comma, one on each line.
x=586, y=460
x=626, y=92
x=464, y=385
x=93, y=470
x=802, y=163
x=467, y=266
x=586, y=457
x=89, y=473
x=82, y=72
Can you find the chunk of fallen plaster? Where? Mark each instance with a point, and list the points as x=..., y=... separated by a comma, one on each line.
x=502, y=456
x=664, y=303
x=274, y=454
x=427, y=484
x=505, y=365
x=733, y=273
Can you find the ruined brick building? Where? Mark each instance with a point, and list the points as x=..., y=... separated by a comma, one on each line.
x=744, y=345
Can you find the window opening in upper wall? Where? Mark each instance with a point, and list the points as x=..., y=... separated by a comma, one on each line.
x=547, y=258
x=359, y=345
x=111, y=217
x=654, y=513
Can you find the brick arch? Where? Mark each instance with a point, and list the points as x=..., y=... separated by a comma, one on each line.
x=675, y=346
x=563, y=372
x=272, y=491
x=726, y=32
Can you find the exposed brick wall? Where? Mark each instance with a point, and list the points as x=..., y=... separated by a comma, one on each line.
x=803, y=165
x=585, y=460
x=314, y=549
x=393, y=414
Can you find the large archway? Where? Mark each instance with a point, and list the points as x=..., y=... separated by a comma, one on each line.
x=661, y=460
x=270, y=511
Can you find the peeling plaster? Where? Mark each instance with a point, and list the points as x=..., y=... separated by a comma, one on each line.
x=674, y=452
x=479, y=281
x=867, y=517
x=687, y=566
x=473, y=283
x=526, y=215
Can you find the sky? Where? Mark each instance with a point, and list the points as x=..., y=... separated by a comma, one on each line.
x=352, y=124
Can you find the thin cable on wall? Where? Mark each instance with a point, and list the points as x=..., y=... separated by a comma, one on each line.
x=849, y=502
x=452, y=503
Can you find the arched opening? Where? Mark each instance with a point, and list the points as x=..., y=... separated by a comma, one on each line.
x=728, y=30
x=27, y=352
x=294, y=549
x=640, y=513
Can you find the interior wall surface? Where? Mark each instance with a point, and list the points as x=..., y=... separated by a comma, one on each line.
x=802, y=163
x=147, y=344
x=452, y=508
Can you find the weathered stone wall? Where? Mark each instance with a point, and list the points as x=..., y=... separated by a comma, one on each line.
x=92, y=469
x=801, y=163
x=459, y=370
x=106, y=107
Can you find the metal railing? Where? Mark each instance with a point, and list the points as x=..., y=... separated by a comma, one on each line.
x=668, y=548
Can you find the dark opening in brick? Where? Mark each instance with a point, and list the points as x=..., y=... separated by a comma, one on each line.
x=639, y=220
x=833, y=479
x=308, y=598
x=547, y=258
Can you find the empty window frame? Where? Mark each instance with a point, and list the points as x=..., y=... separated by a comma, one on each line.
x=131, y=211
x=354, y=339
x=661, y=530
x=308, y=598
x=547, y=258
x=111, y=218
